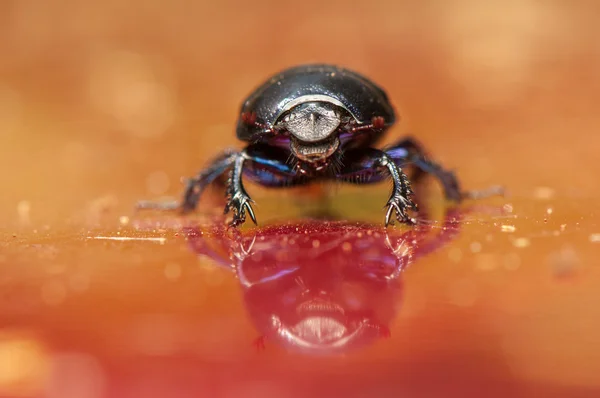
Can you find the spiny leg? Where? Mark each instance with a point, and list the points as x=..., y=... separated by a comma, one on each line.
x=365, y=166
x=237, y=197
x=409, y=151
x=262, y=164
x=195, y=186
x=400, y=199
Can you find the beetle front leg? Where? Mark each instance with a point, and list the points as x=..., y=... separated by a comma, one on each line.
x=263, y=165
x=365, y=166
x=237, y=197
x=400, y=199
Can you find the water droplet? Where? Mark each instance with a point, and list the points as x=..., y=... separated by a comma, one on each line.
x=475, y=247
x=347, y=247
x=508, y=228
x=521, y=242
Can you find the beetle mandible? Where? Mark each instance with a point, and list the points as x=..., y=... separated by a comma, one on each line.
x=312, y=123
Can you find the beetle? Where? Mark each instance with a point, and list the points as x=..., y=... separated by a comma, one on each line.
x=312, y=123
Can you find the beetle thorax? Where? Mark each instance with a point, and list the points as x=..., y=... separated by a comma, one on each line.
x=313, y=127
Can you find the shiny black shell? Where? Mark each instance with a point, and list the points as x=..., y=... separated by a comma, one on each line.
x=361, y=98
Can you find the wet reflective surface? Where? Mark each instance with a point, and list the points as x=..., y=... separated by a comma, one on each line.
x=322, y=287
x=106, y=103
x=163, y=305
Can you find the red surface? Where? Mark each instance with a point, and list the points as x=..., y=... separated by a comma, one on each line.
x=103, y=103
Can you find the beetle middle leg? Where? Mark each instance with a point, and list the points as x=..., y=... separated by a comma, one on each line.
x=237, y=197
x=409, y=151
x=364, y=166
x=260, y=163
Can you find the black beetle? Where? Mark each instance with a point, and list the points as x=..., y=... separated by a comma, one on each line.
x=310, y=123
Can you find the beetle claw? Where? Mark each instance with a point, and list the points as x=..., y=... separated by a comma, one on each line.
x=323, y=105
x=398, y=204
x=240, y=203
x=250, y=212
x=388, y=215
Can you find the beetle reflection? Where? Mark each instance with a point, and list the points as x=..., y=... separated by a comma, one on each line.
x=322, y=287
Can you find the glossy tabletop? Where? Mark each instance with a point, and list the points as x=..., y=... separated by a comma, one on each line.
x=106, y=103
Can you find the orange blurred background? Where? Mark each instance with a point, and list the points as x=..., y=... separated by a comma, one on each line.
x=104, y=103
x=124, y=98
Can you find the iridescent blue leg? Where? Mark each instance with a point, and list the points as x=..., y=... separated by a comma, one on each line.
x=408, y=151
x=364, y=166
x=262, y=164
x=271, y=167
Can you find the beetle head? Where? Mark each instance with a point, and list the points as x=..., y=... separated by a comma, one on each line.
x=312, y=126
